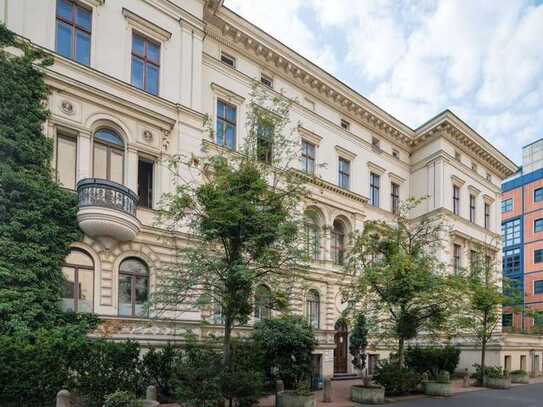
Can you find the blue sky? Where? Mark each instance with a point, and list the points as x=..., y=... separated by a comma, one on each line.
x=482, y=59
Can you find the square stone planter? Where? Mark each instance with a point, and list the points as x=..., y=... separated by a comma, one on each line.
x=436, y=389
x=368, y=394
x=289, y=398
x=523, y=378
x=498, y=382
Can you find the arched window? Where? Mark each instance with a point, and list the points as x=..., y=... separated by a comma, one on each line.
x=312, y=237
x=262, y=302
x=108, y=156
x=338, y=242
x=78, y=287
x=133, y=287
x=313, y=308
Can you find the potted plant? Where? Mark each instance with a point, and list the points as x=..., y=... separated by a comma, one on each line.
x=520, y=376
x=358, y=342
x=301, y=397
x=496, y=378
x=441, y=386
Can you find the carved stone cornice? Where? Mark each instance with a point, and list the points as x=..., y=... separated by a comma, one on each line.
x=234, y=32
x=331, y=187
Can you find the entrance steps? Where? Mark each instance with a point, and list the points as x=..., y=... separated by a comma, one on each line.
x=345, y=376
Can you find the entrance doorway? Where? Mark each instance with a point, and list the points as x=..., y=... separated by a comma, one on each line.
x=340, y=352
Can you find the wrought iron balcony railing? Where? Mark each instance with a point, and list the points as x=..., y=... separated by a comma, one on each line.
x=106, y=194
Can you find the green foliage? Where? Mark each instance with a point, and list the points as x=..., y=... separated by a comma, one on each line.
x=159, y=369
x=358, y=342
x=33, y=368
x=519, y=372
x=121, y=399
x=398, y=277
x=443, y=377
x=37, y=217
x=286, y=344
x=432, y=360
x=396, y=379
x=104, y=367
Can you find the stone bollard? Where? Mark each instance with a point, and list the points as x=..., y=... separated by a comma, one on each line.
x=328, y=393
x=64, y=399
x=151, y=393
x=466, y=379
x=279, y=387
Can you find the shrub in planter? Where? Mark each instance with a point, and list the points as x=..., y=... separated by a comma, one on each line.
x=520, y=376
x=395, y=379
x=286, y=344
x=358, y=341
x=441, y=387
x=490, y=371
x=432, y=360
x=296, y=398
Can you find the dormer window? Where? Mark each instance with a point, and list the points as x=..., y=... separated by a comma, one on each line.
x=228, y=60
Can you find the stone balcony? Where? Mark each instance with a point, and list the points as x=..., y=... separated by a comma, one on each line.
x=107, y=211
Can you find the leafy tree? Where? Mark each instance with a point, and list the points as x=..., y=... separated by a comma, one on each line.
x=37, y=217
x=486, y=292
x=358, y=342
x=243, y=212
x=399, y=279
x=286, y=344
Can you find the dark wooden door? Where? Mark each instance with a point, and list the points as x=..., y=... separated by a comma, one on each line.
x=340, y=353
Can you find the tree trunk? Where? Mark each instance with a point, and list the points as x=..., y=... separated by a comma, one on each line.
x=227, y=343
x=401, y=356
x=483, y=356
x=483, y=350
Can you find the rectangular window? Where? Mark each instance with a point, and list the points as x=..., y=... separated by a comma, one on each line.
x=145, y=63
x=66, y=161
x=145, y=183
x=538, y=287
x=487, y=215
x=457, y=260
x=226, y=125
x=375, y=181
x=395, y=197
x=396, y=154
x=456, y=200
x=264, y=142
x=511, y=232
x=266, y=81
x=507, y=205
x=474, y=166
x=344, y=173
x=74, y=26
x=511, y=261
x=507, y=320
x=538, y=225
x=376, y=144
x=472, y=208
x=538, y=256
x=538, y=195
x=345, y=124
x=228, y=60
x=473, y=258
x=308, y=157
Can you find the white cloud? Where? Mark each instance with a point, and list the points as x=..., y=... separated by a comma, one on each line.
x=415, y=58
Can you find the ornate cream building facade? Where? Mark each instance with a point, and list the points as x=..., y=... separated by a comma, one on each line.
x=132, y=84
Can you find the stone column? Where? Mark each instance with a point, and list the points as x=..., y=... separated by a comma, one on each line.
x=84, y=162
